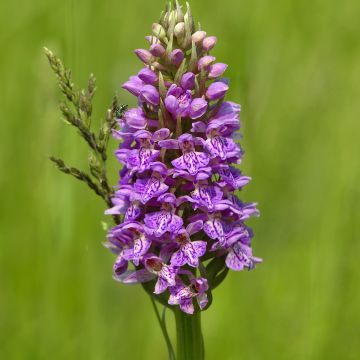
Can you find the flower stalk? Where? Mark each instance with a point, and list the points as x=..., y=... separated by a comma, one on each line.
x=189, y=338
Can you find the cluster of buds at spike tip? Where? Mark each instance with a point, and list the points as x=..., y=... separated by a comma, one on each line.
x=182, y=225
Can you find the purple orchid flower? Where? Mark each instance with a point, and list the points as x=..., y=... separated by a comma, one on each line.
x=183, y=295
x=126, y=201
x=179, y=101
x=240, y=257
x=133, y=235
x=232, y=178
x=141, y=158
x=154, y=268
x=205, y=196
x=188, y=251
x=154, y=186
x=191, y=161
x=158, y=223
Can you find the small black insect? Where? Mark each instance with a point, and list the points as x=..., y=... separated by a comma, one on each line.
x=119, y=110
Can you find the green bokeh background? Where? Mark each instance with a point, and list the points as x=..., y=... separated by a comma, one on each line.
x=295, y=68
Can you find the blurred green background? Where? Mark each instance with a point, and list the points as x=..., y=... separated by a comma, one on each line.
x=295, y=68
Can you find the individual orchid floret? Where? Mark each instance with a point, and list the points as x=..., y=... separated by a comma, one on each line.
x=183, y=295
x=158, y=223
x=126, y=201
x=178, y=101
x=188, y=251
x=240, y=257
x=232, y=178
x=154, y=186
x=139, y=159
x=155, y=268
x=205, y=196
x=138, y=242
x=220, y=146
x=192, y=161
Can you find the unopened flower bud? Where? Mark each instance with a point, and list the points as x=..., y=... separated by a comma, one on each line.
x=176, y=57
x=148, y=76
x=198, y=36
x=158, y=31
x=151, y=39
x=179, y=30
x=157, y=50
x=209, y=42
x=217, y=70
x=144, y=55
x=133, y=85
x=205, y=62
x=217, y=90
x=188, y=81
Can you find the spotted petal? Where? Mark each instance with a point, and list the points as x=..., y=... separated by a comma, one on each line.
x=186, y=305
x=192, y=251
x=150, y=188
x=214, y=229
x=240, y=257
x=120, y=266
x=141, y=246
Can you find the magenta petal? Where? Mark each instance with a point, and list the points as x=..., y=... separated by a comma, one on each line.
x=186, y=305
x=141, y=246
x=214, y=229
x=198, y=108
x=160, y=286
x=120, y=266
x=171, y=104
x=194, y=227
x=188, y=81
x=150, y=94
x=217, y=90
x=178, y=258
x=217, y=70
x=148, y=76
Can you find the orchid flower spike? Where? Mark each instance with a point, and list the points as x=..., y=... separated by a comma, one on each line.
x=183, y=225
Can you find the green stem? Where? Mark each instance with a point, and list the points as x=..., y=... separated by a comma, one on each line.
x=162, y=324
x=190, y=343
